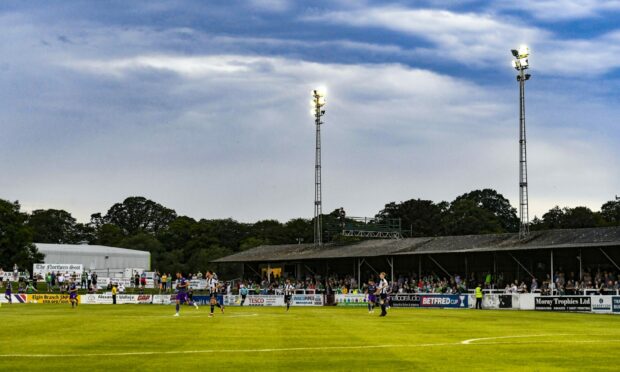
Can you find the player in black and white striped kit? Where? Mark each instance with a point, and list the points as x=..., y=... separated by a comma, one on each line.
x=212, y=284
x=382, y=288
x=288, y=293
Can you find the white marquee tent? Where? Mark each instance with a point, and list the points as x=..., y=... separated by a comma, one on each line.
x=95, y=257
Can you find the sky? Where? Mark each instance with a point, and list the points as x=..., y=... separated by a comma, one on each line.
x=204, y=106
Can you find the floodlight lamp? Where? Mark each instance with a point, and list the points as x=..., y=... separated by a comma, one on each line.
x=523, y=51
x=527, y=76
x=523, y=63
x=515, y=65
x=320, y=100
x=515, y=52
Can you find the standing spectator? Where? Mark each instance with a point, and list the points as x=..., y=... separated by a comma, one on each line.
x=61, y=282
x=169, y=282
x=143, y=280
x=163, y=282
x=136, y=280
x=156, y=280
x=114, y=290
x=54, y=280
x=48, y=281
x=94, y=280
x=15, y=273
x=479, y=297
x=84, y=281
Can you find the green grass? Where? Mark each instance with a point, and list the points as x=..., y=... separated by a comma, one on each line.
x=320, y=339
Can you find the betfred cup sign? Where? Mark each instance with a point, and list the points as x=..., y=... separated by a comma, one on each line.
x=444, y=301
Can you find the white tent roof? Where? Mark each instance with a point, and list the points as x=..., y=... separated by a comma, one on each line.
x=89, y=250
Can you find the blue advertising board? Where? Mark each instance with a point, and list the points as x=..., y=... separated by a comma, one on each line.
x=206, y=300
x=444, y=301
x=615, y=304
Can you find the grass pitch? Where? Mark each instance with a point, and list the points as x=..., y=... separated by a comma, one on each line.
x=147, y=337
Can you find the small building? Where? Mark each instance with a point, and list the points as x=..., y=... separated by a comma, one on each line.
x=95, y=257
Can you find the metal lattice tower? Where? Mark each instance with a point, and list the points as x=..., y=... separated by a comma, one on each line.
x=521, y=64
x=318, y=101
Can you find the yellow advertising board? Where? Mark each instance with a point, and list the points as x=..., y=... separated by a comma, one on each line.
x=45, y=298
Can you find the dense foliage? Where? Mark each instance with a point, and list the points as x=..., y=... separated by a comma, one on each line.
x=183, y=243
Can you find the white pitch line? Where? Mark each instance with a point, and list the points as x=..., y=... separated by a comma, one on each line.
x=467, y=342
x=138, y=353
x=321, y=348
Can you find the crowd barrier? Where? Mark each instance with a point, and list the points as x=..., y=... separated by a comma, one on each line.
x=527, y=301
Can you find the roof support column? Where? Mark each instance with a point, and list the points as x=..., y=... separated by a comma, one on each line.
x=420, y=267
x=494, y=281
x=439, y=266
x=466, y=269
x=390, y=261
x=520, y=264
x=551, y=282
x=256, y=272
x=359, y=271
x=609, y=258
x=580, y=266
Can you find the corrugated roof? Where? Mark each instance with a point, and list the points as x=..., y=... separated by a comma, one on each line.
x=85, y=249
x=570, y=238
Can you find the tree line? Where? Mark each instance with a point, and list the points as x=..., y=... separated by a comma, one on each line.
x=181, y=243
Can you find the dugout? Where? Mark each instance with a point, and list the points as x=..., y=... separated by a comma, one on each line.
x=538, y=255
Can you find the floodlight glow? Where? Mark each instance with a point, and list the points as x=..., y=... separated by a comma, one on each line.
x=524, y=51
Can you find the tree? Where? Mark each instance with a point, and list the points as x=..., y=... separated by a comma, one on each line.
x=178, y=234
x=580, y=217
x=299, y=228
x=466, y=217
x=16, y=245
x=421, y=217
x=227, y=232
x=145, y=242
x=495, y=203
x=554, y=218
x=270, y=231
x=571, y=218
x=109, y=234
x=138, y=214
x=53, y=226
x=610, y=212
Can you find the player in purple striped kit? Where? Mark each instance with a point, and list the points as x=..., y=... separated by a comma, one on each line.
x=372, y=296
x=7, y=293
x=182, y=286
x=73, y=294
